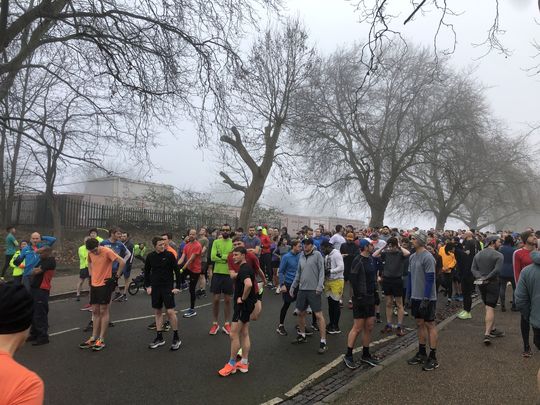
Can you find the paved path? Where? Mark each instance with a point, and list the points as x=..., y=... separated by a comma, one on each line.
x=128, y=372
x=469, y=372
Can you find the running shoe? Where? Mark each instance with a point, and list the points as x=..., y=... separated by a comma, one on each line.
x=496, y=333
x=527, y=353
x=227, y=370
x=387, y=329
x=307, y=331
x=464, y=315
x=337, y=331
x=184, y=287
x=88, y=344
x=89, y=327
x=190, y=313
x=300, y=339
x=176, y=344
x=315, y=327
x=111, y=324
x=243, y=368
x=487, y=340
x=430, y=364
x=98, y=345
x=156, y=343
x=214, y=329
x=278, y=291
x=370, y=360
x=417, y=359
x=226, y=328
x=281, y=330
x=349, y=362
x=117, y=295
x=166, y=326
x=122, y=298
x=86, y=307
x=152, y=326
x=400, y=332
x=322, y=348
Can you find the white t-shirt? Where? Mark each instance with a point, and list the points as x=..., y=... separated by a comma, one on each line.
x=337, y=240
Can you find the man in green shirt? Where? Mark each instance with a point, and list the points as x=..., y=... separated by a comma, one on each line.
x=11, y=248
x=222, y=282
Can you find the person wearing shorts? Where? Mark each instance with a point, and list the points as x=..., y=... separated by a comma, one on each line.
x=422, y=292
x=160, y=275
x=392, y=256
x=222, y=283
x=309, y=281
x=244, y=304
x=486, y=267
x=83, y=268
x=363, y=280
x=100, y=267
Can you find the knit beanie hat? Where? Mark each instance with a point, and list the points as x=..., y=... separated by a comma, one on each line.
x=16, y=308
x=421, y=237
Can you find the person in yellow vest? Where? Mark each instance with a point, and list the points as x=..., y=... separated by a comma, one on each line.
x=83, y=268
x=17, y=271
x=448, y=267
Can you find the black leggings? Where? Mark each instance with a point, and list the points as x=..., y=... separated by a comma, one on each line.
x=467, y=288
x=334, y=312
x=525, y=329
x=193, y=280
x=447, y=278
x=283, y=312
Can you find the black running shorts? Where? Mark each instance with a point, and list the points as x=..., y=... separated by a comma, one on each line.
x=393, y=286
x=362, y=310
x=489, y=293
x=162, y=296
x=100, y=295
x=221, y=284
x=242, y=312
x=428, y=314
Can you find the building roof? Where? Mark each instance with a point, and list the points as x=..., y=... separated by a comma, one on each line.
x=125, y=179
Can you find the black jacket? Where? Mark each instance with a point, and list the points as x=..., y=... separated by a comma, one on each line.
x=161, y=269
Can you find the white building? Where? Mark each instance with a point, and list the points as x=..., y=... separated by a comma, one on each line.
x=116, y=190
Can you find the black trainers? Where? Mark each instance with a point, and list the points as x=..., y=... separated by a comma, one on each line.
x=330, y=330
x=166, y=326
x=300, y=339
x=281, y=330
x=175, y=344
x=370, y=360
x=307, y=331
x=487, y=340
x=417, y=359
x=315, y=327
x=496, y=333
x=349, y=362
x=156, y=343
x=152, y=326
x=337, y=331
x=430, y=364
x=322, y=348
x=117, y=295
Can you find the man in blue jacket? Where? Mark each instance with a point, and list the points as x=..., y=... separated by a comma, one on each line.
x=287, y=272
x=30, y=255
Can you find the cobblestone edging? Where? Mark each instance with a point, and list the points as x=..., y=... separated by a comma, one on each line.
x=340, y=376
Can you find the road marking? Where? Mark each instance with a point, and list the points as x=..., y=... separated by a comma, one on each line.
x=126, y=320
x=273, y=401
x=299, y=387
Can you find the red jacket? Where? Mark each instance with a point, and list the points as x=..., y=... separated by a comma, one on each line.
x=522, y=258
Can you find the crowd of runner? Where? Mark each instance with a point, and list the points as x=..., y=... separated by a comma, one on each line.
x=350, y=267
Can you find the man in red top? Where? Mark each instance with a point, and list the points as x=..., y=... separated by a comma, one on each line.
x=522, y=258
x=192, y=252
x=18, y=385
x=266, y=255
x=40, y=288
x=253, y=262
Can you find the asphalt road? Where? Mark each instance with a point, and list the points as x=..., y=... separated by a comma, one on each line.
x=127, y=371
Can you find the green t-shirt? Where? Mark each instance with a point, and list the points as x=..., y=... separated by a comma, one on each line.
x=11, y=244
x=204, y=243
x=223, y=247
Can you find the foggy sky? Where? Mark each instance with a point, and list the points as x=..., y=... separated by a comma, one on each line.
x=513, y=95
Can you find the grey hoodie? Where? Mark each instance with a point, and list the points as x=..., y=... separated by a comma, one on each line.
x=527, y=294
x=310, y=274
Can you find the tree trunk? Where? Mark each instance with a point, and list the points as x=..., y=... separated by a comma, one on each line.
x=251, y=196
x=377, y=215
x=442, y=218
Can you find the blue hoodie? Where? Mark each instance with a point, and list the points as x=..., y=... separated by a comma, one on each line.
x=31, y=257
x=288, y=267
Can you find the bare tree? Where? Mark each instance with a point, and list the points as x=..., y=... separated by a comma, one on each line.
x=151, y=48
x=359, y=137
x=259, y=107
